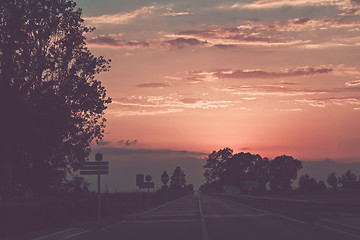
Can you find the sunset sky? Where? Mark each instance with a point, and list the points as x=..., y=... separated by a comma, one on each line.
x=269, y=77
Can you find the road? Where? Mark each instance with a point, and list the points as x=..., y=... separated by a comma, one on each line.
x=205, y=218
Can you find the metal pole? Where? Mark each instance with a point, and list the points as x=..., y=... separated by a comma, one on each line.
x=148, y=197
x=99, y=196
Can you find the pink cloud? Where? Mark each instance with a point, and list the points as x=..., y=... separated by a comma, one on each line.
x=303, y=71
x=153, y=85
x=122, y=17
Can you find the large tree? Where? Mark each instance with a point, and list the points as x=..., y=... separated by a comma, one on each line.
x=215, y=165
x=281, y=172
x=332, y=180
x=51, y=104
x=177, y=180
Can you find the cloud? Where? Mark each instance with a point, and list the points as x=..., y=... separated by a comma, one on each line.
x=128, y=151
x=175, y=14
x=155, y=105
x=301, y=71
x=267, y=4
x=338, y=101
x=110, y=41
x=103, y=143
x=153, y=85
x=183, y=42
x=215, y=74
x=270, y=90
x=122, y=17
x=353, y=83
x=128, y=142
x=116, y=42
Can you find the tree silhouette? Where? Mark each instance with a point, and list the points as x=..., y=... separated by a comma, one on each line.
x=332, y=180
x=282, y=171
x=347, y=177
x=215, y=165
x=307, y=183
x=177, y=180
x=51, y=104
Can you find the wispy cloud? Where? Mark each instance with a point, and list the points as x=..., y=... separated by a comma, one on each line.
x=128, y=142
x=266, y=4
x=215, y=74
x=153, y=85
x=116, y=42
x=250, y=73
x=122, y=17
x=353, y=83
x=154, y=105
x=270, y=90
x=176, y=14
x=338, y=101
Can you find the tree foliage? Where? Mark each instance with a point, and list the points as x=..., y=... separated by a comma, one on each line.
x=177, y=180
x=308, y=184
x=225, y=168
x=347, y=177
x=282, y=171
x=332, y=180
x=52, y=104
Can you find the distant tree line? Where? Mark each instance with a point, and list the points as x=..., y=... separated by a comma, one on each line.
x=252, y=173
x=309, y=184
x=249, y=172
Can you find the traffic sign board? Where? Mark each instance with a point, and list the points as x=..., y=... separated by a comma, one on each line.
x=165, y=177
x=148, y=178
x=92, y=167
x=98, y=157
x=95, y=163
x=147, y=185
x=94, y=172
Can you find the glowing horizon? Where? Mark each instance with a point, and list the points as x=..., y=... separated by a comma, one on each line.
x=266, y=77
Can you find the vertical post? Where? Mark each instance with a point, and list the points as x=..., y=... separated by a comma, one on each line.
x=148, y=197
x=99, y=194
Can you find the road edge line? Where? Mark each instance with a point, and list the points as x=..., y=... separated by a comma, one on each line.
x=76, y=234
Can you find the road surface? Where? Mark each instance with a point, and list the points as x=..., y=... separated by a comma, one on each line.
x=205, y=218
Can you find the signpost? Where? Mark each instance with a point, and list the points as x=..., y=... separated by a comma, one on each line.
x=165, y=178
x=96, y=168
x=141, y=184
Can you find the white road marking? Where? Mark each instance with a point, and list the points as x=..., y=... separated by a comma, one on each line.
x=76, y=234
x=203, y=225
x=113, y=225
x=57, y=235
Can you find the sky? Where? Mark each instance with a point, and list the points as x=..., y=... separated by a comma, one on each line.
x=270, y=77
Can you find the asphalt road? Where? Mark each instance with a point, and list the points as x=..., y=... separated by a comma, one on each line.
x=205, y=218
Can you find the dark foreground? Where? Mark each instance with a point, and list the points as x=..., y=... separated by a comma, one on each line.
x=201, y=218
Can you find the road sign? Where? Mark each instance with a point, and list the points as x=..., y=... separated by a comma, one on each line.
x=148, y=178
x=94, y=172
x=91, y=167
x=139, y=180
x=147, y=185
x=94, y=168
x=98, y=157
x=165, y=178
x=95, y=163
